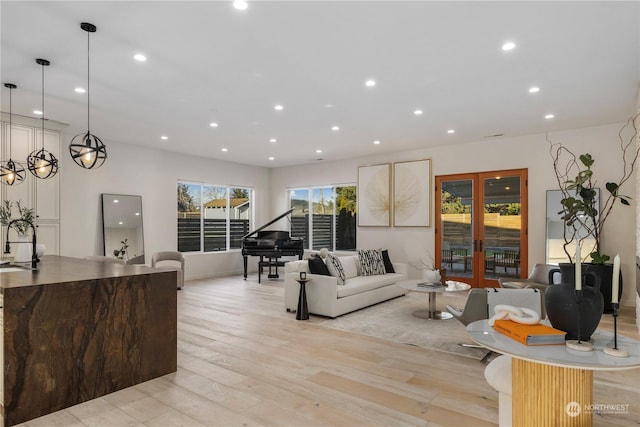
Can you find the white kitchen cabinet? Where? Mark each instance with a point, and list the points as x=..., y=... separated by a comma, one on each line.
x=41, y=194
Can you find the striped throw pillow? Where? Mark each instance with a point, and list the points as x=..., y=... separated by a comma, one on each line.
x=335, y=268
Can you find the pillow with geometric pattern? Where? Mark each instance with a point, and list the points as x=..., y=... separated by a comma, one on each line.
x=335, y=268
x=371, y=262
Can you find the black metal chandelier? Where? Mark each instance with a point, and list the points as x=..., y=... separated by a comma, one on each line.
x=11, y=173
x=42, y=163
x=86, y=149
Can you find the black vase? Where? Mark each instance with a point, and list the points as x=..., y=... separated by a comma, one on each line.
x=563, y=309
x=605, y=273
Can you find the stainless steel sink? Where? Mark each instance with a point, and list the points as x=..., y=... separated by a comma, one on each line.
x=12, y=268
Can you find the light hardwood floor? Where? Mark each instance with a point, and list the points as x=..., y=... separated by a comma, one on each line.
x=244, y=361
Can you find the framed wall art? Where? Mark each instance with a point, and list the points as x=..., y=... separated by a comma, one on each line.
x=374, y=195
x=412, y=193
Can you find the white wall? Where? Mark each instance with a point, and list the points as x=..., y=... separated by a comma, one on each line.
x=153, y=174
x=531, y=152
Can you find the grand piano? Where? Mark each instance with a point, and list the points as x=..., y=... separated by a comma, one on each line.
x=270, y=245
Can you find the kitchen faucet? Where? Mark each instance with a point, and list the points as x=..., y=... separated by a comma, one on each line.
x=34, y=254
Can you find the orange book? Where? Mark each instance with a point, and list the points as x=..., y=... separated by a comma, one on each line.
x=537, y=334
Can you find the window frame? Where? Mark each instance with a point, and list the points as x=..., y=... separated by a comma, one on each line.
x=310, y=192
x=228, y=189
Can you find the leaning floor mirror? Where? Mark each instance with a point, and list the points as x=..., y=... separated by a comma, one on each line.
x=123, y=234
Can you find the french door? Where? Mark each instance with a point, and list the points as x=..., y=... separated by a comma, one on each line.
x=481, y=226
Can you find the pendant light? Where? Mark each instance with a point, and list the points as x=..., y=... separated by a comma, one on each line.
x=42, y=163
x=11, y=173
x=86, y=149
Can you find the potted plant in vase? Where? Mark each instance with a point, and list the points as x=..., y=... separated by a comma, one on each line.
x=581, y=214
x=122, y=252
x=27, y=215
x=429, y=273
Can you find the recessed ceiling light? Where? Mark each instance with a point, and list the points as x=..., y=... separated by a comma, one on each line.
x=80, y=90
x=279, y=107
x=329, y=105
x=418, y=112
x=137, y=213
x=508, y=46
x=273, y=140
x=549, y=116
x=272, y=158
x=139, y=57
x=376, y=142
x=507, y=188
x=370, y=83
x=240, y=4
x=318, y=151
x=37, y=112
x=213, y=124
x=120, y=222
x=451, y=131
x=164, y=137
x=534, y=89
x=335, y=128
x=224, y=150
x=115, y=201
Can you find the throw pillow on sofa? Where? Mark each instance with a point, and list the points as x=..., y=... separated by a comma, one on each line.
x=335, y=268
x=388, y=267
x=371, y=263
x=317, y=266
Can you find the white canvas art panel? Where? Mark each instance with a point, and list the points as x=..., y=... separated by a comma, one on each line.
x=374, y=195
x=412, y=193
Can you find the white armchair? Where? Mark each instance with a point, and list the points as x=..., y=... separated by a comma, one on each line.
x=171, y=260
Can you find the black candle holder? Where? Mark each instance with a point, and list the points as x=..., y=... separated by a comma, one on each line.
x=615, y=351
x=578, y=344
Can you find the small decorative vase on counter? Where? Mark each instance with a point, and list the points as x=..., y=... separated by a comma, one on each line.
x=23, y=249
x=562, y=305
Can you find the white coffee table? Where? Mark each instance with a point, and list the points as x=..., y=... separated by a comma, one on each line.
x=431, y=313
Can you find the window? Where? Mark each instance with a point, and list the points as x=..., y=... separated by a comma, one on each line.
x=212, y=218
x=325, y=217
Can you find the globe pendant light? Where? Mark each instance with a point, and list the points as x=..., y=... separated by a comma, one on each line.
x=11, y=173
x=42, y=163
x=86, y=149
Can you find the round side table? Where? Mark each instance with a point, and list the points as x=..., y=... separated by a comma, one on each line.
x=302, y=313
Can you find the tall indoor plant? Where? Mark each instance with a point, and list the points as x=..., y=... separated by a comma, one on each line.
x=576, y=181
x=580, y=212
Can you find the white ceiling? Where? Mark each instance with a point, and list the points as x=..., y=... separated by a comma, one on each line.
x=208, y=62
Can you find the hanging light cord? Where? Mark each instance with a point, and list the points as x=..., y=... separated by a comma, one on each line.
x=43, y=106
x=10, y=120
x=88, y=83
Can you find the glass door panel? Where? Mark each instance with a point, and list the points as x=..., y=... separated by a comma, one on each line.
x=481, y=229
x=502, y=226
x=456, y=222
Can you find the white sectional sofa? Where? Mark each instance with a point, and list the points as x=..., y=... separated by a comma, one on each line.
x=326, y=297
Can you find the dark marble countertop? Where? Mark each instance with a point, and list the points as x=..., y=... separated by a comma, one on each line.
x=58, y=269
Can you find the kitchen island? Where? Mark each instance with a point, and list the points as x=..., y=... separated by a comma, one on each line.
x=75, y=329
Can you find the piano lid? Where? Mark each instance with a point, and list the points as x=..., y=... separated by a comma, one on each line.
x=268, y=224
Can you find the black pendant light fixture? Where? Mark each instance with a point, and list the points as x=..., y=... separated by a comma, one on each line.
x=42, y=163
x=86, y=149
x=11, y=173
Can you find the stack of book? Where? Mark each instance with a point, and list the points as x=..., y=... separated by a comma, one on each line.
x=428, y=285
x=537, y=334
